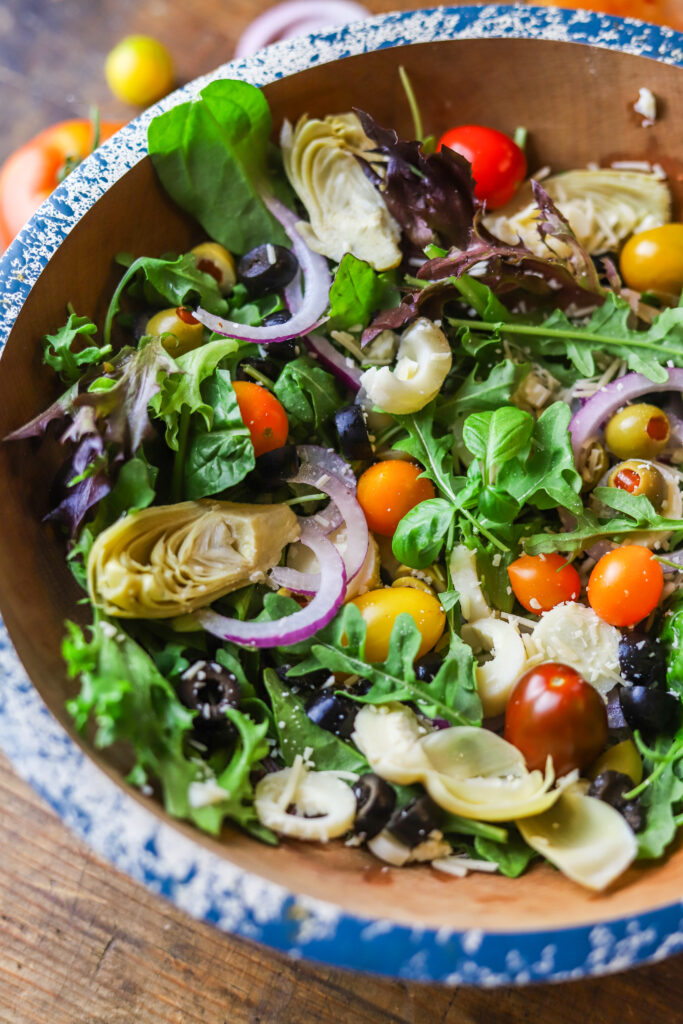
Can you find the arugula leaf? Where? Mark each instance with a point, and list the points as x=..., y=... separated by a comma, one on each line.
x=218, y=458
x=177, y=281
x=357, y=292
x=661, y=796
x=478, y=395
x=647, y=352
x=180, y=393
x=451, y=695
x=549, y=476
x=635, y=512
x=59, y=354
x=309, y=394
x=211, y=156
x=422, y=533
x=672, y=638
x=296, y=731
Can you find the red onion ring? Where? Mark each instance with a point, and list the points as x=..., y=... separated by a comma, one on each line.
x=586, y=423
x=316, y=465
x=291, y=629
x=294, y=19
x=315, y=301
x=339, y=365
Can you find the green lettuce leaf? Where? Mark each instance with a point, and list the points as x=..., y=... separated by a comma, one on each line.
x=222, y=456
x=357, y=293
x=60, y=354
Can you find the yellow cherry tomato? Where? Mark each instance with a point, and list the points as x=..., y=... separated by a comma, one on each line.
x=178, y=330
x=652, y=261
x=623, y=757
x=139, y=70
x=380, y=609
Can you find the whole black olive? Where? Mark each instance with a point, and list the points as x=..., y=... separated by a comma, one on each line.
x=427, y=666
x=352, y=432
x=650, y=710
x=333, y=713
x=375, y=802
x=642, y=659
x=274, y=467
x=209, y=689
x=280, y=316
x=611, y=787
x=311, y=681
x=267, y=268
x=266, y=367
x=413, y=823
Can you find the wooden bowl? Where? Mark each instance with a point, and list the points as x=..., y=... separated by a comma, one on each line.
x=499, y=66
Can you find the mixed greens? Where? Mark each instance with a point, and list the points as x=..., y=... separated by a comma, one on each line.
x=372, y=548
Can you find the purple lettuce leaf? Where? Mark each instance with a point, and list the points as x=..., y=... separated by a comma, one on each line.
x=430, y=196
x=59, y=410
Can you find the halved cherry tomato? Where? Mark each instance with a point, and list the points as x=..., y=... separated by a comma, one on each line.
x=32, y=172
x=263, y=415
x=388, y=490
x=498, y=164
x=652, y=261
x=380, y=609
x=554, y=711
x=539, y=582
x=625, y=585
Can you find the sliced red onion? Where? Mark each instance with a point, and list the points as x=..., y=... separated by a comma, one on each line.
x=322, y=469
x=291, y=629
x=341, y=366
x=615, y=716
x=586, y=424
x=294, y=19
x=317, y=283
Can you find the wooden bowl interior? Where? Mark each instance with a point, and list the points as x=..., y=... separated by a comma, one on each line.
x=577, y=103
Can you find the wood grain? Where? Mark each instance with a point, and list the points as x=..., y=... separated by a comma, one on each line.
x=80, y=943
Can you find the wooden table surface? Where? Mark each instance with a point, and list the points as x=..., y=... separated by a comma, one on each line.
x=79, y=942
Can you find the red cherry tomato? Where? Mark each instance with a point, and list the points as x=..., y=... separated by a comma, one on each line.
x=498, y=164
x=388, y=490
x=539, y=582
x=29, y=175
x=263, y=415
x=553, y=711
x=625, y=585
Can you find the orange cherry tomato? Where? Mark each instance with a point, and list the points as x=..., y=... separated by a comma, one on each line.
x=498, y=164
x=263, y=415
x=662, y=12
x=625, y=585
x=554, y=711
x=539, y=582
x=388, y=490
x=32, y=172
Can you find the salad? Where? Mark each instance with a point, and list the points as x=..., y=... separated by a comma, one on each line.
x=375, y=496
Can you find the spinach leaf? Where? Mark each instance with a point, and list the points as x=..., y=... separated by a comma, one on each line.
x=218, y=458
x=422, y=533
x=211, y=156
x=452, y=694
x=512, y=857
x=496, y=437
x=60, y=355
x=296, y=731
x=357, y=293
x=309, y=394
x=177, y=281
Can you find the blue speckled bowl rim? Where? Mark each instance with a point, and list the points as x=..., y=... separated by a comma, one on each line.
x=119, y=826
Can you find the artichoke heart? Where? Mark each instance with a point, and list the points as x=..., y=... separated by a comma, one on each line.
x=603, y=208
x=346, y=211
x=173, y=559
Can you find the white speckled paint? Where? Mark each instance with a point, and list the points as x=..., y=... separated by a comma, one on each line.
x=118, y=826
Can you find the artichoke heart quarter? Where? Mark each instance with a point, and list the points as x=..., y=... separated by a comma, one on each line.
x=346, y=211
x=173, y=559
